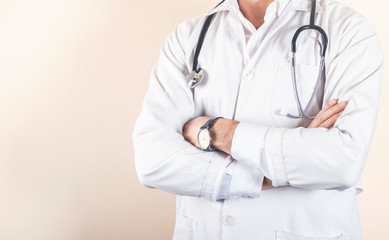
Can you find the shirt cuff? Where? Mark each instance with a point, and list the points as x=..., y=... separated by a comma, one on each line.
x=247, y=144
x=224, y=187
x=245, y=182
x=273, y=160
x=214, y=175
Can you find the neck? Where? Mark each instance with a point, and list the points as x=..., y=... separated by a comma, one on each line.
x=254, y=10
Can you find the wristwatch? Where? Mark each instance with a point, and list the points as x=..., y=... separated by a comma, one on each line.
x=204, y=137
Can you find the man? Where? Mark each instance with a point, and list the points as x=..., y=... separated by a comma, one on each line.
x=272, y=176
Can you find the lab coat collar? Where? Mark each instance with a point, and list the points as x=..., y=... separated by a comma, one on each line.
x=224, y=6
x=304, y=5
x=228, y=5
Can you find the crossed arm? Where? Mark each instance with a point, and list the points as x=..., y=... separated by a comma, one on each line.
x=317, y=157
x=222, y=131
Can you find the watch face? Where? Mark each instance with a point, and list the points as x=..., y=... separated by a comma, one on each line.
x=204, y=139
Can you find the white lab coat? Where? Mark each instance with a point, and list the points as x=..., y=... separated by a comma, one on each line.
x=248, y=79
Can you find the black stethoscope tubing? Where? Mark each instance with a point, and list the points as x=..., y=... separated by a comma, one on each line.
x=311, y=26
x=197, y=74
x=203, y=32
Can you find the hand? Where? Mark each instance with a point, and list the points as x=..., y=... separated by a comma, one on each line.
x=328, y=115
x=325, y=118
x=192, y=128
x=267, y=184
x=222, y=132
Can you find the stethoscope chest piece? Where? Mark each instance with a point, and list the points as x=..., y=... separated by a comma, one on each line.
x=195, y=78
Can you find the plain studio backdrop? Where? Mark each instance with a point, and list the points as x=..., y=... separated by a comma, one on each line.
x=73, y=75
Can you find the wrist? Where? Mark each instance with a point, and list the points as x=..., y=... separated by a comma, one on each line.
x=222, y=132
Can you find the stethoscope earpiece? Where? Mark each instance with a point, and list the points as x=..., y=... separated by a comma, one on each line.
x=195, y=78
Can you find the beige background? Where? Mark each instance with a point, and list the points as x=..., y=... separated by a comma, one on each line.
x=73, y=74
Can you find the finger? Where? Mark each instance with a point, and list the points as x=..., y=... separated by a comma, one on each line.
x=315, y=122
x=333, y=110
x=184, y=127
x=318, y=119
x=330, y=104
x=331, y=121
x=326, y=114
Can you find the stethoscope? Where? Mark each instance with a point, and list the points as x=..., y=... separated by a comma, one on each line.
x=197, y=74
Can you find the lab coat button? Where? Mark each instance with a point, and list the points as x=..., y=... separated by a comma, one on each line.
x=228, y=220
x=247, y=75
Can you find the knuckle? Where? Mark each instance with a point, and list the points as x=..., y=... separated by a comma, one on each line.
x=319, y=117
x=335, y=107
x=334, y=110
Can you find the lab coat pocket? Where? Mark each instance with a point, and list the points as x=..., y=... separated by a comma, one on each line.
x=284, y=98
x=185, y=228
x=284, y=235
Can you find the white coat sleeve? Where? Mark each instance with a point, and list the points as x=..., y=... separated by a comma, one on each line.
x=318, y=158
x=163, y=158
